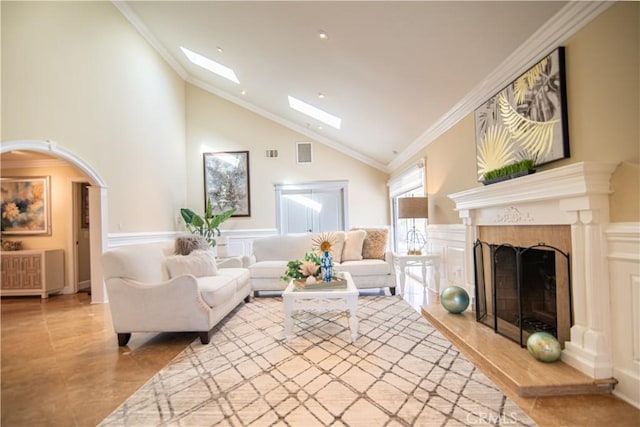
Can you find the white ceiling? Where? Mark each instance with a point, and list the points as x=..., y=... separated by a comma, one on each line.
x=393, y=71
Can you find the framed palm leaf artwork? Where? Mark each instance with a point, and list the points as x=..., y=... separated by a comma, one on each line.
x=527, y=120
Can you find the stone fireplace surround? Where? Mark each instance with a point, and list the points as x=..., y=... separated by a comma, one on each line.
x=575, y=195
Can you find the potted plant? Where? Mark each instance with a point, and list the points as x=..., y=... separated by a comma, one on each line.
x=207, y=226
x=525, y=166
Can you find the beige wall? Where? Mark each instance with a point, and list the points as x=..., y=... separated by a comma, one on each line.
x=61, y=202
x=79, y=74
x=603, y=85
x=214, y=124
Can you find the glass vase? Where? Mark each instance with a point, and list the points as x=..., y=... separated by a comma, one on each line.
x=326, y=264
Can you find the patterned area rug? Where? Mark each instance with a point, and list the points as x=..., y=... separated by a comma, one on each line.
x=400, y=372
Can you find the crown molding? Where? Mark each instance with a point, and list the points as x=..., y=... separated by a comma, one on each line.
x=131, y=16
x=571, y=18
x=133, y=19
x=565, y=23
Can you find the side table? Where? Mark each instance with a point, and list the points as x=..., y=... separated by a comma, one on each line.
x=402, y=261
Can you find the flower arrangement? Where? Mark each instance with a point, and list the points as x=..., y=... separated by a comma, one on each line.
x=314, y=263
x=297, y=269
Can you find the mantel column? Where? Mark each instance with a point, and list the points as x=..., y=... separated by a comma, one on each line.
x=470, y=236
x=589, y=349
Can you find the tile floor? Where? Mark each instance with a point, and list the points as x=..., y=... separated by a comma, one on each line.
x=61, y=366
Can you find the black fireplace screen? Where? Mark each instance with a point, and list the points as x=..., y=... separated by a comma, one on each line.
x=520, y=291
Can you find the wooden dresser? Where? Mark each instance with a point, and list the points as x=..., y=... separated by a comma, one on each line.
x=32, y=272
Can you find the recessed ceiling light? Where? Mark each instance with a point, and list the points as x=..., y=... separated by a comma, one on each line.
x=243, y=92
x=210, y=65
x=314, y=112
x=321, y=95
x=220, y=49
x=323, y=35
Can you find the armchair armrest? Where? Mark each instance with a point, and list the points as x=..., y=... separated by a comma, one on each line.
x=170, y=306
x=248, y=260
x=233, y=262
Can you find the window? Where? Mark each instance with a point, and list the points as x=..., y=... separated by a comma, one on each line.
x=406, y=184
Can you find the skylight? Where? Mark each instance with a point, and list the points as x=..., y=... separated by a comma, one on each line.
x=210, y=65
x=314, y=112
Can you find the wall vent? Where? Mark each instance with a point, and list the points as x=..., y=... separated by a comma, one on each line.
x=272, y=153
x=304, y=153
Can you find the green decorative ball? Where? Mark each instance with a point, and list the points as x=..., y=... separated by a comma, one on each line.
x=455, y=299
x=544, y=347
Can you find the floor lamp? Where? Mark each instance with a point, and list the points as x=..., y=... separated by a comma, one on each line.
x=412, y=208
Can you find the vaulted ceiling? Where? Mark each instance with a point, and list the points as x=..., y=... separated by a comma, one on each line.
x=394, y=72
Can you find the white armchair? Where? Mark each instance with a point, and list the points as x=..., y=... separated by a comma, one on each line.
x=144, y=298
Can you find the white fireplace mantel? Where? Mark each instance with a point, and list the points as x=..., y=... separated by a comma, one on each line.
x=575, y=195
x=578, y=185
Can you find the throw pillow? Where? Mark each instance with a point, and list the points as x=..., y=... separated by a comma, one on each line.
x=338, y=245
x=184, y=245
x=375, y=244
x=353, y=245
x=200, y=263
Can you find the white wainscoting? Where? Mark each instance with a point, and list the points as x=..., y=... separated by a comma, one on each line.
x=623, y=255
x=240, y=241
x=449, y=241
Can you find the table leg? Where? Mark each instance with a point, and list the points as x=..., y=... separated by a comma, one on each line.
x=353, y=319
x=436, y=272
x=424, y=274
x=288, y=319
x=402, y=268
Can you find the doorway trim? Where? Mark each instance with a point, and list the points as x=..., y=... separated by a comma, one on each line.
x=283, y=189
x=97, y=204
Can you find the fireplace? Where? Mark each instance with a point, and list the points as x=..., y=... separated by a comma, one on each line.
x=522, y=290
x=565, y=208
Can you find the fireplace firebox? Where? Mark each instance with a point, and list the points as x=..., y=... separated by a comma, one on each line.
x=522, y=290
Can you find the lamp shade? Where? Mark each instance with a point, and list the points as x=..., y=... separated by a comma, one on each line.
x=413, y=207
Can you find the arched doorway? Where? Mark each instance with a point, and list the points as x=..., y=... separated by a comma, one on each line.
x=97, y=205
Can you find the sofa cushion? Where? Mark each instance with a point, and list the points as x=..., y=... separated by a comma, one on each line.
x=268, y=269
x=184, y=245
x=353, y=245
x=366, y=267
x=375, y=244
x=287, y=247
x=199, y=263
x=216, y=290
x=240, y=275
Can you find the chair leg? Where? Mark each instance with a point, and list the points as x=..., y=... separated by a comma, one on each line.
x=123, y=339
x=392, y=290
x=205, y=336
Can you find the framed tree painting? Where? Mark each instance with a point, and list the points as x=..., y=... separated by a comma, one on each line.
x=525, y=120
x=226, y=181
x=25, y=205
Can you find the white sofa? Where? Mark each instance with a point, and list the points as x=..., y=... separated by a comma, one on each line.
x=144, y=297
x=270, y=255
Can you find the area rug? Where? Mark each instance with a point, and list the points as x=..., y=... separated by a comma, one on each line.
x=400, y=372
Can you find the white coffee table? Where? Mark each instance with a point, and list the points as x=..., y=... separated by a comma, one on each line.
x=321, y=301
